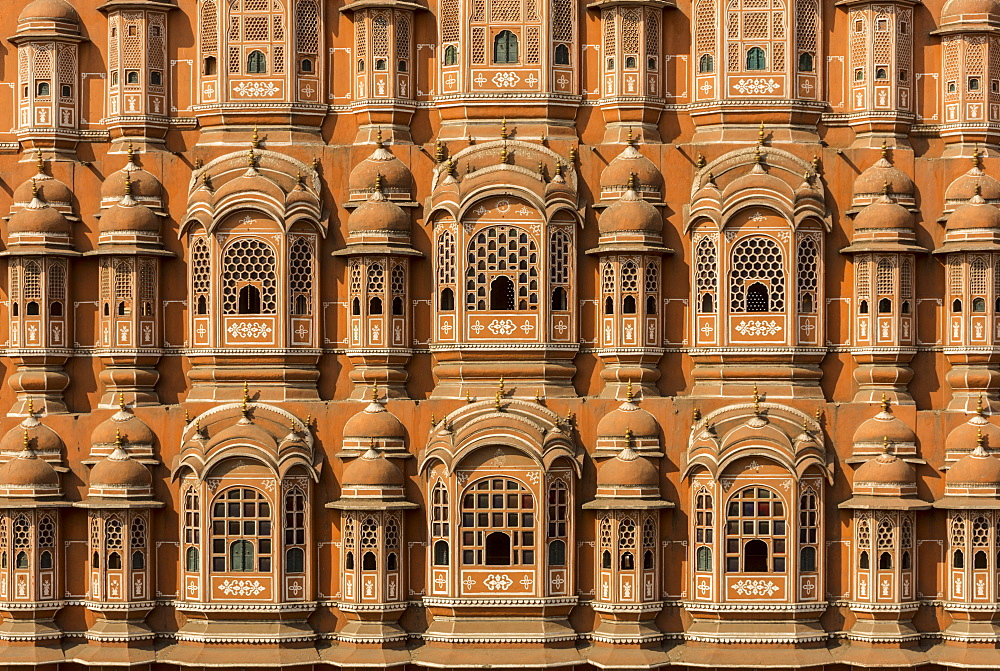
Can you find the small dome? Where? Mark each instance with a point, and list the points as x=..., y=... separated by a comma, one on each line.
x=119, y=470
x=372, y=469
x=374, y=423
x=883, y=176
x=978, y=468
x=49, y=10
x=135, y=180
x=395, y=177
x=631, y=165
x=38, y=218
x=885, y=469
x=884, y=428
x=964, y=188
x=378, y=215
x=883, y=213
x=631, y=214
x=628, y=418
x=977, y=213
x=123, y=424
x=299, y=194
x=128, y=215
x=48, y=189
x=28, y=471
x=42, y=439
x=957, y=10
x=628, y=469
x=965, y=436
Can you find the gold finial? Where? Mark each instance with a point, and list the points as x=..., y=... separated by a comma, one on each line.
x=885, y=149
x=631, y=181
x=497, y=400
x=980, y=410
x=450, y=168
x=293, y=428
x=569, y=417
x=255, y=140
x=756, y=400
x=630, y=139
x=439, y=152
x=559, y=168
x=197, y=426
x=760, y=134
x=885, y=188
x=375, y=392
x=433, y=421
x=251, y=159
x=979, y=438
x=378, y=138
x=819, y=414
x=198, y=163
x=468, y=396
x=628, y=437
x=309, y=420
x=757, y=156
x=885, y=402
x=805, y=426
x=538, y=396
x=572, y=155
x=378, y=182
x=245, y=406
x=503, y=154
x=701, y=161
x=501, y=385
x=25, y=441
x=118, y=437
x=815, y=163
x=40, y=162
x=128, y=182
x=121, y=401
x=130, y=152
x=696, y=415
x=31, y=407
x=316, y=163
x=541, y=168
x=885, y=444
x=710, y=177
x=34, y=188
x=299, y=178
x=977, y=158
x=187, y=417
x=628, y=391
x=503, y=129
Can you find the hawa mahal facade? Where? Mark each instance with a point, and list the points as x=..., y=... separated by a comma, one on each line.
x=615, y=335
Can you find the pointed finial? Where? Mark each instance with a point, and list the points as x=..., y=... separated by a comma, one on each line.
x=438, y=152
x=251, y=159
x=760, y=134
x=538, y=396
x=25, y=441
x=121, y=401
x=40, y=162
x=245, y=406
x=34, y=188
x=885, y=188
x=497, y=400
x=450, y=169
x=700, y=162
x=187, y=417
x=977, y=158
x=572, y=155
x=375, y=392
x=628, y=391
x=631, y=181
x=757, y=157
x=309, y=420
x=378, y=182
x=980, y=410
x=433, y=422
x=468, y=396
x=630, y=139
x=815, y=163
x=501, y=384
x=885, y=444
x=378, y=138
x=128, y=182
x=885, y=402
x=503, y=129
x=696, y=415
x=885, y=149
x=255, y=140
x=541, y=168
x=31, y=407
x=559, y=168
x=198, y=163
x=299, y=178
x=756, y=400
x=118, y=438
x=503, y=154
x=628, y=437
x=979, y=438
x=805, y=426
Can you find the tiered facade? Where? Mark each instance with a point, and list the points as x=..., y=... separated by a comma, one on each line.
x=511, y=333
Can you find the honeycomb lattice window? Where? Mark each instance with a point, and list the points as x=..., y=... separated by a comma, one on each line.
x=22, y=532
x=652, y=278
x=807, y=26
x=249, y=278
x=626, y=534
x=978, y=276
x=706, y=274
x=209, y=28
x=502, y=270
x=757, y=277
x=864, y=534
x=46, y=532
x=300, y=276
x=958, y=531
x=886, y=534
x=137, y=533
x=307, y=27
x=606, y=540
x=608, y=283
x=113, y=536
x=201, y=275
x=905, y=278
x=562, y=20
x=906, y=533
x=981, y=532
x=505, y=11
x=57, y=280
x=376, y=279
x=449, y=20
x=349, y=532
x=402, y=35
x=705, y=30
x=652, y=33
x=380, y=35
x=391, y=534
x=884, y=285
x=862, y=277
x=808, y=273
x=398, y=280
x=32, y=281
x=649, y=533
x=368, y=537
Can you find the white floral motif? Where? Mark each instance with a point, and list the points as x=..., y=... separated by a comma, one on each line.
x=756, y=86
x=755, y=327
x=241, y=587
x=506, y=79
x=256, y=89
x=249, y=330
x=502, y=327
x=498, y=582
x=755, y=588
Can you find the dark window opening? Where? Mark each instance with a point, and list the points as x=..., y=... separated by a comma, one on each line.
x=807, y=560
x=33, y=308
x=211, y=66
x=979, y=305
x=885, y=561
x=626, y=562
x=755, y=556
x=557, y=553
x=114, y=561
x=192, y=559
x=502, y=293
x=628, y=305
x=356, y=307
x=650, y=305
x=707, y=303
x=562, y=55
x=391, y=562
x=863, y=308
x=807, y=303
x=349, y=561
x=609, y=306
x=56, y=309
x=958, y=559
x=757, y=298
x=447, y=299
x=881, y=74
x=397, y=306
x=295, y=560
x=956, y=306
x=202, y=305
x=42, y=89
x=756, y=59
x=559, y=299
x=630, y=62
x=884, y=306
x=450, y=55
x=806, y=62
x=306, y=65
x=606, y=559
x=249, y=300
x=256, y=63
x=647, y=560
x=441, y=553
x=45, y=560
x=375, y=306
x=505, y=47
x=156, y=78
x=706, y=64
x=979, y=560
x=138, y=561
x=369, y=562
x=132, y=77
x=863, y=561
x=498, y=549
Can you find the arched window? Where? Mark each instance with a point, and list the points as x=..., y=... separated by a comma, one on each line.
x=450, y=55
x=756, y=59
x=138, y=560
x=447, y=301
x=979, y=560
x=192, y=528
x=704, y=530
x=374, y=305
x=45, y=560
x=562, y=54
x=256, y=63
x=300, y=275
x=806, y=62
x=369, y=562
x=863, y=561
x=498, y=524
x=43, y=89
x=704, y=559
x=885, y=561
x=958, y=559
x=440, y=524
x=441, y=553
x=501, y=293
x=191, y=560
x=626, y=544
x=559, y=300
x=756, y=531
x=249, y=262
x=295, y=530
x=201, y=274
x=706, y=64
x=114, y=561
x=22, y=560
x=557, y=522
x=557, y=553
x=757, y=277
x=505, y=47
x=210, y=67
x=507, y=252
x=241, y=527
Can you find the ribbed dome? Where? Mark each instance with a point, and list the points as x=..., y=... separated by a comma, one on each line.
x=395, y=177
x=977, y=213
x=883, y=176
x=631, y=214
x=884, y=428
x=978, y=468
x=885, y=469
x=631, y=164
x=119, y=470
x=964, y=188
x=378, y=215
x=374, y=423
x=372, y=469
x=966, y=435
x=628, y=417
x=41, y=438
x=127, y=215
x=51, y=10
x=628, y=469
x=122, y=424
x=955, y=10
x=883, y=213
x=28, y=471
x=141, y=183
x=39, y=218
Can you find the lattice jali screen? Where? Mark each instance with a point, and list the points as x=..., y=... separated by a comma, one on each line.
x=757, y=259
x=249, y=261
x=502, y=251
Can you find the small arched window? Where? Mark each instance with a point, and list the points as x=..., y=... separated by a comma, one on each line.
x=256, y=63
x=863, y=308
x=502, y=293
x=498, y=549
x=32, y=308
x=138, y=560
x=505, y=47
x=559, y=299
x=706, y=64
x=211, y=66
x=864, y=562
x=885, y=561
x=375, y=306
x=43, y=89
x=757, y=298
x=132, y=77
x=191, y=560
x=806, y=62
x=45, y=560
x=704, y=558
x=450, y=55
x=557, y=553
x=606, y=559
x=349, y=561
x=95, y=560
x=628, y=305
x=979, y=305
x=956, y=306
x=441, y=553
x=958, y=559
x=295, y=560
x=627, y=561
x=306, y=65
x=807, y=559
x=56, y=309
x=756, y=59
x=609, y=306
x=881, y=74
x=562, y=54
x=647, y=560
x=114, y=561
x=707, y=303
x=884, y=305
x=755, y=556
x=397, y=306
x=369, y=562
x=979, y=560
x=650, y=305
x=391, y=562
x=447, y=299
x=249, y=300
x=241, y=556
x=22, y=560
